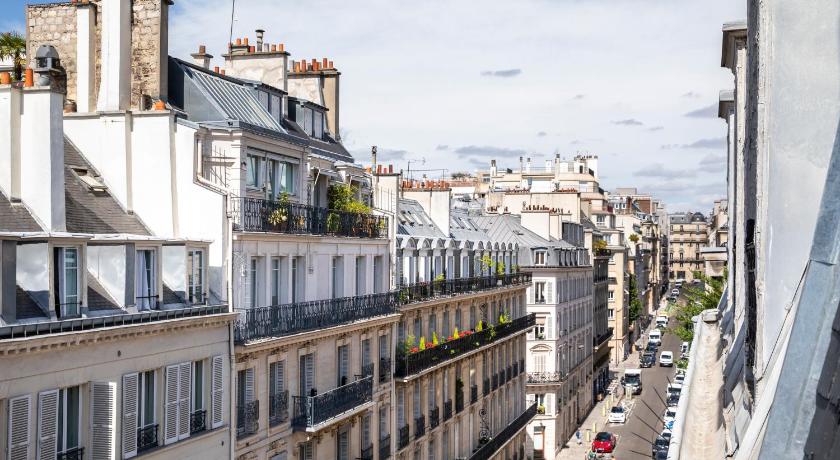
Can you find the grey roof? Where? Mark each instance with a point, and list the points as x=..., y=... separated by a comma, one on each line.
x=25, y=305
x=508, y=228
x=16, y=217
x=463, y=227
x=687, y=218
x=171, y=297
x=98, y=298
x=413, y=221
x=89, y=211
x=329, y=148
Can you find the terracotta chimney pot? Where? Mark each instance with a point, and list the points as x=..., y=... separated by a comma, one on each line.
x=273, y=48
x=251, y=49
x=216, y=69
x=223, y=71
x=5, y=78
x=325, y=63
x=202, y=49
x=30, y=78
x=281, y=48
x=331, y=65
x=239, y=41
x=245, y=41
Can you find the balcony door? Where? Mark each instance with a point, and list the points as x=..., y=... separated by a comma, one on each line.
x=343, y=356
x=145, y=275
x=307, y=374
x=66, y=278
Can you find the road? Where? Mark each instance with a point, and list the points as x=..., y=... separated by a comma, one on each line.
x=645, y=420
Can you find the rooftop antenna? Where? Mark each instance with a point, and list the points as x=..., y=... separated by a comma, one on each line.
x=230, y=35
x=422, y=161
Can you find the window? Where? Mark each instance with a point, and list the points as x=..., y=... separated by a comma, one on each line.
x=539, y=292
x=366, y=442
x=146, y=400
x=337, y=285
x=599, y=219
x=276, y=281
x=307, y=375
x=278, y=401
x=252, y=177
x=539, y=257
x=145, y=286
x=610, y=313
x=383, y=421
x=343, y=365
x=295, y=274
x=361, y=267
x=67, y=282
x=253, y=282
x=318, y=125
x=539, y=328
x=307, y=450
x=195, y=276
x=69, y=414
x=198, y=386
x=610, y=294
x=275, y=108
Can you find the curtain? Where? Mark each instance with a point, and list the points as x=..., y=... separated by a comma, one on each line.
x=145, y=280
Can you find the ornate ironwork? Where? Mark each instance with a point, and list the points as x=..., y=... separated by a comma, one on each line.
x=367, y=453
x=313, y=410
x=258, y=215
x=484, y=431
x=385, y=447
x=434, y=417
x=545, y=377
x=419, y=292
x=489, y=446
x=247, y=418
x=76, y=453
x=367, y=369
x=278, y=408
x=147, y=437
x=419, y=426
x=198, y=421
x=384, y=370
x=404, y=437
x=412, y=363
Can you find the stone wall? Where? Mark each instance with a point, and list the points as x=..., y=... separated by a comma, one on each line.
x=54, y=24
x=148, y=63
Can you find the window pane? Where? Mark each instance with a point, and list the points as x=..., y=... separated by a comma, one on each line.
x=71, y=281
x=72, y=417
x=318, y=125
x=253, y=171
x=198, y=385
x=307, y=121
x=148, y=398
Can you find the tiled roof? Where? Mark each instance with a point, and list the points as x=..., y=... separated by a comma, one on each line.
x=98, y=298
x=508, y=228
x=171, y=297
x=16, y=218
x=413, y=221
x=90, y=211
x=25, y=305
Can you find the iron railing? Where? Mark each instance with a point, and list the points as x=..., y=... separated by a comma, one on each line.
x=485, y=389
x=403, y=437
x=259, y=215
x=385, y=447
x=198, y=421
x=603, y=337
x=313, y=410
x=147, y=437
x=419, y=292
x=247, y=418
x=85, y=324
x=489, y=446
x=384, y=370
x=473, y=394
x=278, y=409
x=280, y=320
x=76, y=453
x=459, y=399
x=434, y=417
x=367, y=453
x=367, y=369
x=495, y=380
x=447, y=410
x=415, y=362
x=545, y=377
x=419, y=426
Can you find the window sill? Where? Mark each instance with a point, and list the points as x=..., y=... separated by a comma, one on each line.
x=175, y=445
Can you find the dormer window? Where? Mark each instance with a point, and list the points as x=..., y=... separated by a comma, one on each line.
x=310, y=119
x=145, y=280
x=66, y=282
x=539, y=257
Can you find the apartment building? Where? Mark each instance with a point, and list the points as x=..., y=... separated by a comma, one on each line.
x=459, y=374
x=688, y=236
x=714, y=255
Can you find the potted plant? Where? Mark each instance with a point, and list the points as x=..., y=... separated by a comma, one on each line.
x=541, y=409
x=279, y=217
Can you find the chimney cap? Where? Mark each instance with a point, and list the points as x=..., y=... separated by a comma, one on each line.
x=260, y=31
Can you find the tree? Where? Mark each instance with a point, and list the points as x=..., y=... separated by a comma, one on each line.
x=342, y=197
x=635, y=304
x=599, y=245
x=13, y=45
x=634, y=238
x=697, y=299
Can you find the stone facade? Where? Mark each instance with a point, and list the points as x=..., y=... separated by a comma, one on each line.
x=54, y=24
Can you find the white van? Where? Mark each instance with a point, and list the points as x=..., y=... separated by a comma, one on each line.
x=655, y=337
x=661, y=321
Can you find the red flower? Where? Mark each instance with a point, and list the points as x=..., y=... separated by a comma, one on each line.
x=415, y=350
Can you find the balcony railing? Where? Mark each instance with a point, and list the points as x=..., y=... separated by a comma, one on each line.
x=459, y=400
x=384, y=370
x=447, y=410
x=428, y=290
x=278, y=408
x=281, y=320
x=403, y=439
x=434, y=417
x=545, y=377
x=258, y=215
x=147, y=437
x=247, y=418
x=198, y=421
x=485, y=389
x=603, y=337
x=413, y=363
x=367, y=369
x=473, y=394
x=488, y=447
x=419, y=426
x=314, y=410
x=385, y=447
x=367, y=453
x=76, y=453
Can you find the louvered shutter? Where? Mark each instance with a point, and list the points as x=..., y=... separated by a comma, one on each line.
x=531, y=290
x=18, y=429
x=400, y=407
x=184, y=391
x=103, y=420
x=549, y=327
x=170, y=409
x=249, y=385
x=307, y=449
x=279, y=377
x=217, y=390
x=47, y=424
x=344, y=445
x=343, y=361
x=308, y=374
x=365, y=352
x=366, y=431
x=549, y=294
x=129, y=414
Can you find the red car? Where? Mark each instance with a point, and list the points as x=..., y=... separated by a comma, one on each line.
x=604, y=443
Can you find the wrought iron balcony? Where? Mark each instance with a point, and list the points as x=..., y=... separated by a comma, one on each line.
x=420, y=292
x=311, y=411
x=434, y=417
x=495, y=380
x=419, y=426
x=486, y=387
x=278, y=408
x=384, y=370
x=76, y=453
x=516, y=368
x=367, y=453
x=403, y=440
x=258, y=215
x=596, y=341
x=147, y=437
x=489, y=446
x=198, y=421
x=459, y=400
x=385, y=447
x=247, y=418
x=473, y=394
x=447, y=410
x=281, y=320
x=542, y=378
x=367, y=369
x=414, y=362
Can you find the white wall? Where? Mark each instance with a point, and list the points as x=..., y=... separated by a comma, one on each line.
x=108, y=265
x=151, y=171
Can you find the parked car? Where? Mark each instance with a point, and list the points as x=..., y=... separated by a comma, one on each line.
x=666, y=358
x=660, y=445
x=661, y=455
x=604, y=443
x=673, y=400
x=675, y=292
x=655, y=337
x=684, y=350
x=661, y=321
x=666, y=434
x=672, y=298
x=617, y=415
x=679, y=378
x=650, y=348
x=669, y=417
x=648, y=359
x=674, y=388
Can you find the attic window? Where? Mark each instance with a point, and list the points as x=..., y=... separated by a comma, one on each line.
x=92, y=183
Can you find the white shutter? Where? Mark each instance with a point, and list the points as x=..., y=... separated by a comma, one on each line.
x=249, y=385
x=366, y=431
x=307, y=448
x=184, y=387
x=18, y=429
x=531, y=289
x=549, y=327
x=170, y=408
x=103, y=420
x=47, y=424
x=344, y=445
x=129, y=414
x=217, y=390
x=549, y=294
x=308, y=374
x=365, y=352
x=343, y=363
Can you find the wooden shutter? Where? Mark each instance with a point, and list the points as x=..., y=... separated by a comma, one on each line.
x=129, y=414
x=170, y=408
x=184, y=392
x=306, y=450
x=103, y=420
x=344, y=445
x=18, y=429
x=47, y=424
x=365, y=352
x=365, y=431
x=249, y=385
x=280, y=376
x=217, y=390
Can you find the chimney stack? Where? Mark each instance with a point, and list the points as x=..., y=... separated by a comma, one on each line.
x=373, y=157
x=260, y=33
x=115, y=73
x=201, y=58
x=85, y=56
x=493, y=168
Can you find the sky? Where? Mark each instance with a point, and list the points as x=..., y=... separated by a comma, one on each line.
x=450, y=85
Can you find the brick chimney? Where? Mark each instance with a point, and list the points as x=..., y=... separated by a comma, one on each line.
x=320, y=75
x=201, y=58
x=262, y=62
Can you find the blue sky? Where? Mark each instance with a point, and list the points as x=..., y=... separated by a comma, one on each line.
x=459, y=83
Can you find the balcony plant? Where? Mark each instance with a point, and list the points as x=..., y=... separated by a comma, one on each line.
x=541, y=409
x=280, y=216
x=422, y=343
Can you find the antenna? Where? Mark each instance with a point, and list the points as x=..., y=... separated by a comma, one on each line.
x=230, y=35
